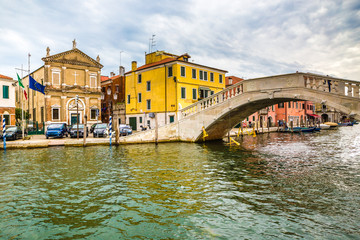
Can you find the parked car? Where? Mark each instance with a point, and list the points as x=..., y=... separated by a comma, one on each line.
x=125, y=130
x=57, y=130
x=101, y=130
x=73, y=131
x=13, y=133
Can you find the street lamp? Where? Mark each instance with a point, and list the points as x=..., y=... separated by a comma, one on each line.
x=77, y=115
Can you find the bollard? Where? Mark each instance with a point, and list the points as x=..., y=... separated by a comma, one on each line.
x=110, y=129
x=4, y=134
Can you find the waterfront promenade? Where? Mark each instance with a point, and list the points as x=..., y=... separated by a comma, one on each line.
x=40, y=141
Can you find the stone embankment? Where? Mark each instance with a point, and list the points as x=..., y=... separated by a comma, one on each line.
x=40, y=141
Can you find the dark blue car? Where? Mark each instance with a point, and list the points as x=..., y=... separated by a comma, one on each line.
x=57, y=130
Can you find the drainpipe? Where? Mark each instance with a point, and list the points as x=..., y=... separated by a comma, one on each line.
x=165, y=96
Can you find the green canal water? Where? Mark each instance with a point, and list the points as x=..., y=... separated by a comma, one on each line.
x=277, y=186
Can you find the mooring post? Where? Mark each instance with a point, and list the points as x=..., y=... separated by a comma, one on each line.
x=85, y=129
x=156, y=129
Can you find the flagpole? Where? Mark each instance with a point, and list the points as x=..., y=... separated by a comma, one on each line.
x=29, y=83
x=22, y=107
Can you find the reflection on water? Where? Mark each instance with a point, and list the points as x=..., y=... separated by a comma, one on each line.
x=281, y=186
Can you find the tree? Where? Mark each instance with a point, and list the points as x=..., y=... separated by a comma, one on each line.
x=18, y=114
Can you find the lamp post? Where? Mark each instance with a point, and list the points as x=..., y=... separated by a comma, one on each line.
x=77, y=115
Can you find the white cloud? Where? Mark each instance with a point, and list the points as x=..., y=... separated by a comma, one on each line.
x=247, y=38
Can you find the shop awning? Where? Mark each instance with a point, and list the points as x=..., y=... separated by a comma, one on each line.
x=204, y=88
x=314, y=115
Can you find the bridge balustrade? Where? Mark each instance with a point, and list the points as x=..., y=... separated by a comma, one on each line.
x=337, y=86
x=316, y=82
x=213, y=100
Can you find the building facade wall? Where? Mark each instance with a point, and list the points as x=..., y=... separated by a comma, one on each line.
x=7, y=100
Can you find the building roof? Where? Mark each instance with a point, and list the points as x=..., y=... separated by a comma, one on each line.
x=5, y=77
x=104, y=78
x=170, y=59
x=234, y=80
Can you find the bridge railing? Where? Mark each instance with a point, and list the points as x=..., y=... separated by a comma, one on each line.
x=214, y=99
x=332, y=85
x=317, y=82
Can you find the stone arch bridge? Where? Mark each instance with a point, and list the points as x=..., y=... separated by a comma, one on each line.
x=220, y=112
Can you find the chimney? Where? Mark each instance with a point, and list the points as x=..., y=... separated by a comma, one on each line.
x=112, y=74
x=121, y=71
x=133, y=65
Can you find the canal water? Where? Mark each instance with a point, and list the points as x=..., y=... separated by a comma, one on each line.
x=273, y=186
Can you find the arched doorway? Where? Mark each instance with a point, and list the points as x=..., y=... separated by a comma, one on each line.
x=72, y=109
x=324, y=118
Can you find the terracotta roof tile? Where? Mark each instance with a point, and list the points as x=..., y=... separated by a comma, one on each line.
x=5, y=77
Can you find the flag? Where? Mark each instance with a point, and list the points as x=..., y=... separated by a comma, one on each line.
x=34, y=85
x=21, y=85
x=19, y=80
x=25, y=94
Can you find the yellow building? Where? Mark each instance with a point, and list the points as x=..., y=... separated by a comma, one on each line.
x=66, y=75
x=166, y=84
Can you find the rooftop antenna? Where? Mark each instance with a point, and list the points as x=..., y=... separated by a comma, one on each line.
x=152, y=43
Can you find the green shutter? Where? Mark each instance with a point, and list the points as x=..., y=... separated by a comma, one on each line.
x=6, y=92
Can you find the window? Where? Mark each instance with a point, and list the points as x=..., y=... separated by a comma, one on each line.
x=230, y=81
x=139, y=97
x=140, y=119
x=297, y=105
x=194, y=93
x=211, y=77
x=281, y=105
x=170, y=71
x=117, y=88
x=5, y=92
x=56, y=114
x=93, y=80
x=220, y=78
x=182, y=71
x=194, y=73
x=201, y=74
x=205, y=76
x=7, y=119
x=272, y=108
x=93, y=114
x=55, y=76
x=289, y=105
x=183, y=92
x=42, y=114
x=171, y=118
x=212, y=93
x=139, y=78
x=253, y=118
x=128, y=99
x=148, y=104
x=148, y=86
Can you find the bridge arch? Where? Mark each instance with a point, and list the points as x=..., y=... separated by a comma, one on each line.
x=219, y=113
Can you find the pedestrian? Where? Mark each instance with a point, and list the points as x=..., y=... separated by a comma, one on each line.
x=329, y=84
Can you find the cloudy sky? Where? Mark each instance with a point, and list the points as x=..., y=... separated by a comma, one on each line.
x=247, y=38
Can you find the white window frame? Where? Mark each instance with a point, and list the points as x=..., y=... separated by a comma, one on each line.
x=55, y=71
x=211, y=77
x=205, y=75
x=193, y=70
x=170, y=75
x=181, y=68
x=181, y=92
x=93, y=109
x=194, y=90
x=93, y=77
x=52, y=113
x=220, y=78
x=201, y=74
